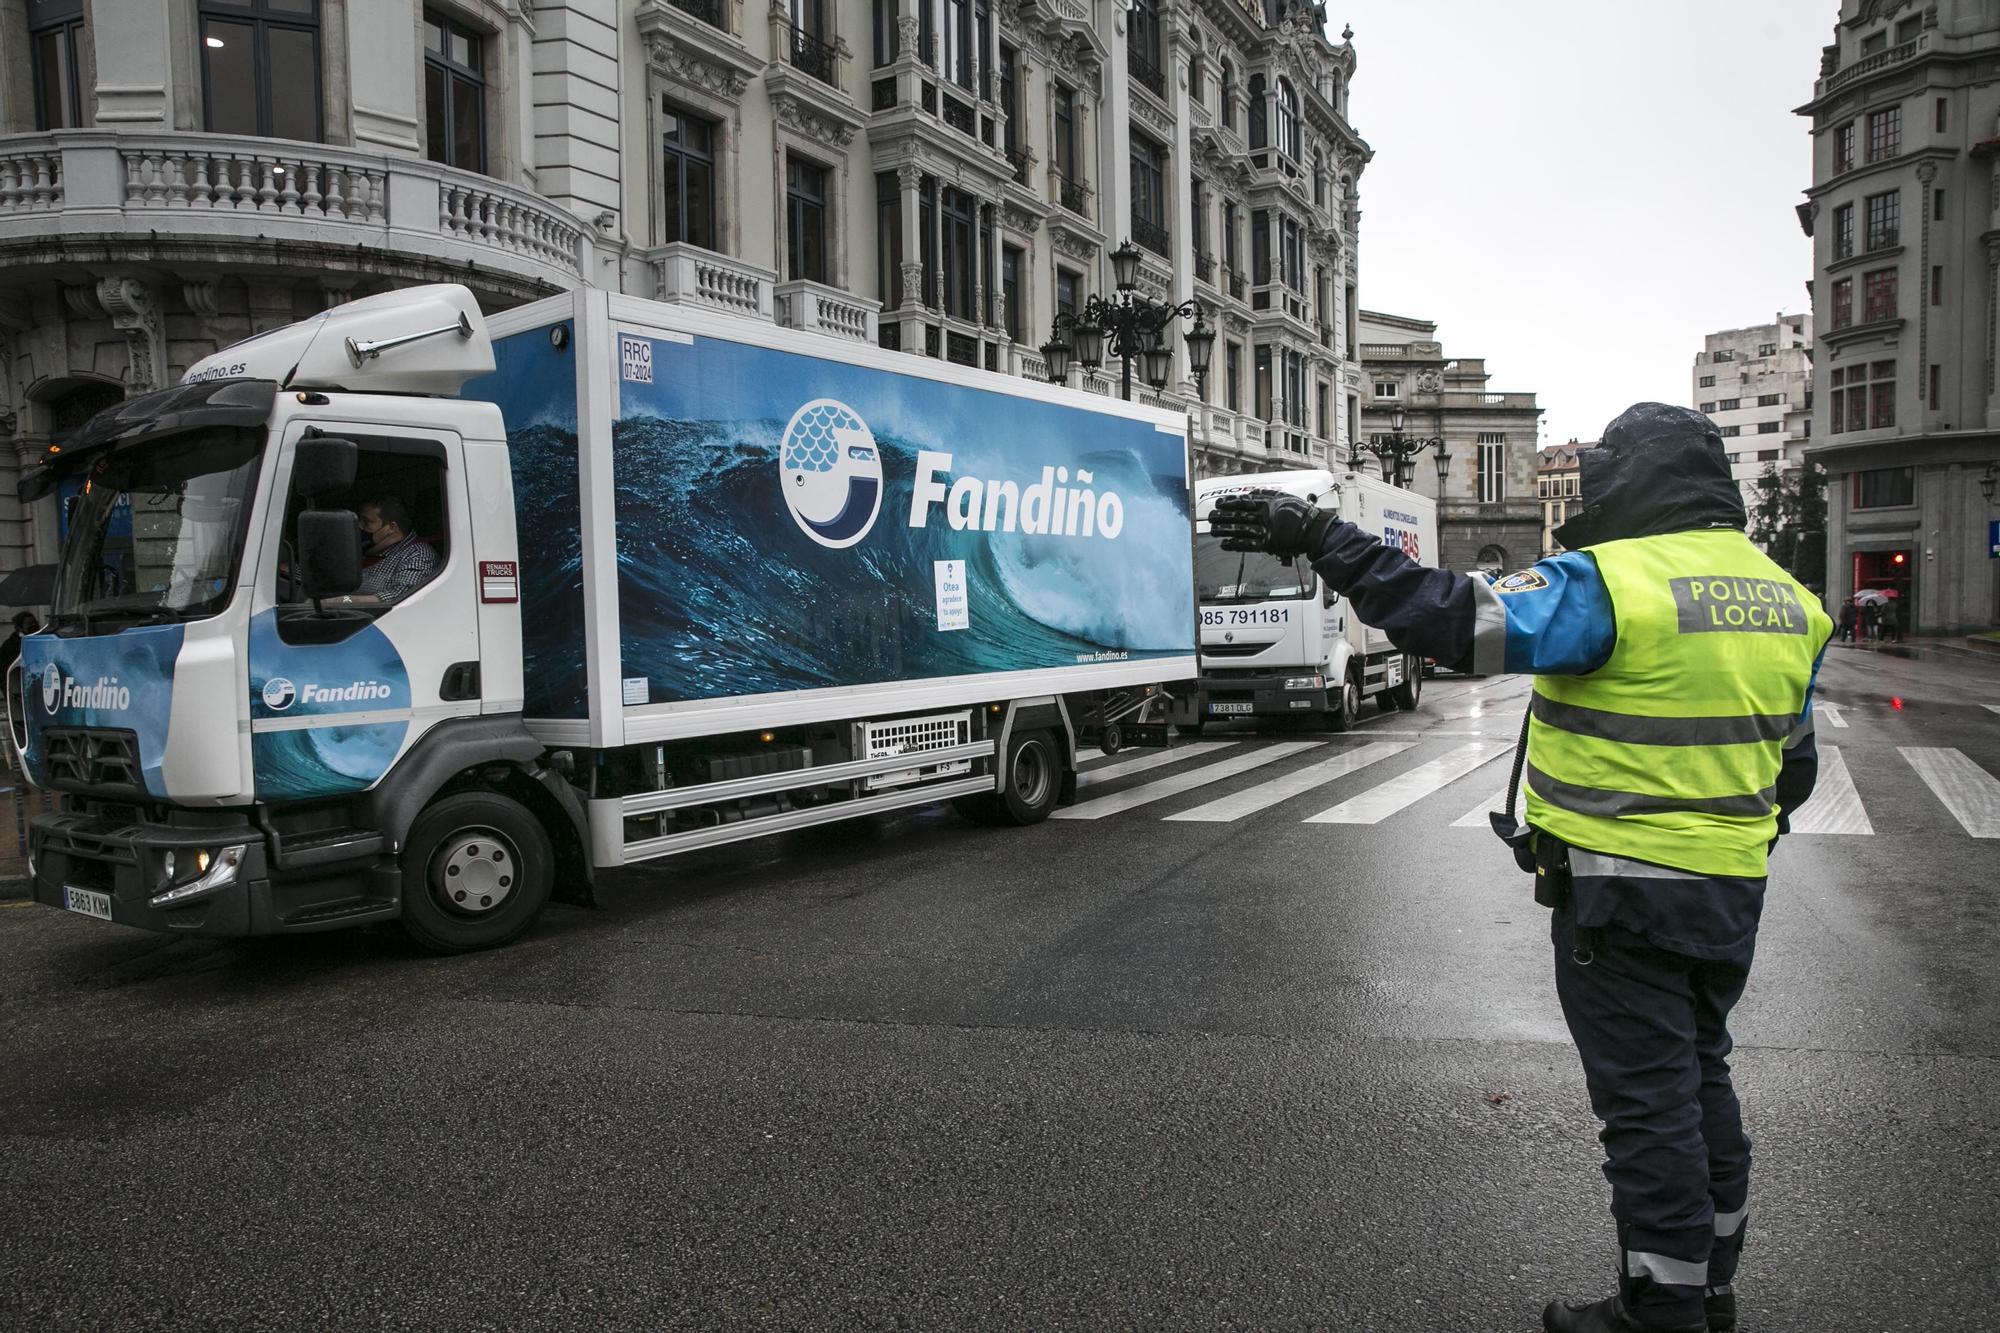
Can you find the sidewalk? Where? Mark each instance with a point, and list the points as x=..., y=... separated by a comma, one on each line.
x=1983, y=648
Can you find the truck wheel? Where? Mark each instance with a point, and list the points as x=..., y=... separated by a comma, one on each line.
x=1031, y=781
x=1112, y=739
x=477, y=870
x=1343, y=706
x=1405, y=696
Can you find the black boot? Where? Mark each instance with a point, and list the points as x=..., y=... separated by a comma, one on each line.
x=1605, y=1316
x=1719, y=1304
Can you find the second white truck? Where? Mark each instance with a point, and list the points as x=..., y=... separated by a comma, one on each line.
x=1275, y=640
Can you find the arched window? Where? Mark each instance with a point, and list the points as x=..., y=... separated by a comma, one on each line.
x=1228, y=94
x=1493, y=558
x=1288, y=119
x=1319, y=179
x=1259, y=113
x=1194, y=77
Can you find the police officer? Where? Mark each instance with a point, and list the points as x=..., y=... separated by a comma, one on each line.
x=1669, y=737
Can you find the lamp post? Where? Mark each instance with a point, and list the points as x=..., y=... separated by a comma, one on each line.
x=1133, y=327
x=1396, y=452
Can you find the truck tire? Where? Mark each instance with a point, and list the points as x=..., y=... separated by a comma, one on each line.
x=1405, y=696
x=477, y=871
x=1343, y=706
x=1032, y=781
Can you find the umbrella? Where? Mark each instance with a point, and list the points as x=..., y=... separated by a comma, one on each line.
x=1876, y=595
x=30, y=585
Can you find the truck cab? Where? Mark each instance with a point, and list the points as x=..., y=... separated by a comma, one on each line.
x=249, y=701
x=1276, y=640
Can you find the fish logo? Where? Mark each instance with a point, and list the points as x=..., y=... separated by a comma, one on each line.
x=52, y=687
x=279, y=694
x=831, y=471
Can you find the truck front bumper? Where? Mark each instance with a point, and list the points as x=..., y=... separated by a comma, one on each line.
x=123, y=863
x=1263, y=695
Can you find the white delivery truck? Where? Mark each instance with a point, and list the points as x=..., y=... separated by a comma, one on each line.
x=646, y=579
x=1275, y=640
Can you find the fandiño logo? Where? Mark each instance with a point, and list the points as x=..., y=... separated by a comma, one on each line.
x=832, y=473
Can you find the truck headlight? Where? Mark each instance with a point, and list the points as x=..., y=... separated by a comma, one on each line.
x=212, y=871
x=1305, y=682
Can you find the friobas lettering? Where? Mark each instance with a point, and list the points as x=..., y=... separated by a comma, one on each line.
x=1055, y=506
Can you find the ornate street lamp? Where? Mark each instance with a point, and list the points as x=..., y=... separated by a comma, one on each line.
x=1396, y=452
x=1132, y=327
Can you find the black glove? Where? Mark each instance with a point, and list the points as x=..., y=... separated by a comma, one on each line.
x=1284, y=525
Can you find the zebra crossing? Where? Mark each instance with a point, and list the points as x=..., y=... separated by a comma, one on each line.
x=1969, y=793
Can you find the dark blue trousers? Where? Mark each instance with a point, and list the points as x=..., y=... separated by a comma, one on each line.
x=1652, y=1028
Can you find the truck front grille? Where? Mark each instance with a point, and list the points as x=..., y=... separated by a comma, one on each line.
x=95, y=759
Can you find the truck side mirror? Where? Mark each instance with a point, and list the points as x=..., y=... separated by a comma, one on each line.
x=1327, y=596
x=323, y=465
x=329, y=553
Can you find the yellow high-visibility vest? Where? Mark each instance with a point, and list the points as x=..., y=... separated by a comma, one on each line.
x=1670, y=751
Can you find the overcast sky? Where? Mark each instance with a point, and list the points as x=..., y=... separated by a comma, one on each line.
x=1578, y=190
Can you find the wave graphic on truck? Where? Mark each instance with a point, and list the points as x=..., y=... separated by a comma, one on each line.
x=868, y=614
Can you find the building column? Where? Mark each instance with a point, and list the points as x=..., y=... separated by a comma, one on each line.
x=134, y=71
x=908, y=177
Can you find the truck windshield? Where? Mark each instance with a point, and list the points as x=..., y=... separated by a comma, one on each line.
x=1246, y=576
x=156, y=530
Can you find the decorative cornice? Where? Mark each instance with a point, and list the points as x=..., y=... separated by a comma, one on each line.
x=808, y=114
x=686, y=51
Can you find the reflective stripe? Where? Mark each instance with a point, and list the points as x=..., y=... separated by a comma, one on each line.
x=1636, y=729
x=1489, y=631
x=1608, y=804
x=1662, y=1268
x=1596, y=865
x=1728, y=1224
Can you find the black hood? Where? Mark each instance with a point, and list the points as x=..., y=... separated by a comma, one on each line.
x=1659, y=469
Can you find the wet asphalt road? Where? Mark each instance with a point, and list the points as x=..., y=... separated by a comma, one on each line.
x=1128, y=1072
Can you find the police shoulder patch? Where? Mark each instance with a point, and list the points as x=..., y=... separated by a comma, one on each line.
x=1526, y=581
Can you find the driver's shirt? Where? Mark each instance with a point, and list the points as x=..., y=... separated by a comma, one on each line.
x=400, y=570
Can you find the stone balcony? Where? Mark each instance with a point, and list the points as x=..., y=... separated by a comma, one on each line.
x=208, y=198
x=817, y=308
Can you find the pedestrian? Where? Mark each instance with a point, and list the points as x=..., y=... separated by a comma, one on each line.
x=1892, y=620
x=1871, y=620
x=1847, y=622
x=1668, y=741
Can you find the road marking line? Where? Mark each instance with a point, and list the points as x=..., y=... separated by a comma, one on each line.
x=1180, y=782
x=1835, y=806
x=1991, y=708
x=1832, y=712
x=1495, y=801
x=1267, y=794
x=1378, y=803
x=1967, y=790
x=1111, y=772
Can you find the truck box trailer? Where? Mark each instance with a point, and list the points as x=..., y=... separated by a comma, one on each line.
x=645, y=579
x=1275, y=640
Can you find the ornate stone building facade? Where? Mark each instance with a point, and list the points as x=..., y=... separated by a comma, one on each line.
x=940, y=176
x=1904, y=212
x=1489, y=515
